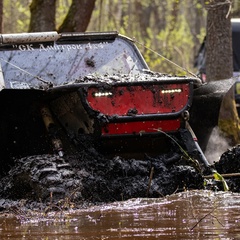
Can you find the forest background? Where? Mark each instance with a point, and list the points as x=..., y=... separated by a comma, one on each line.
x=173, y=28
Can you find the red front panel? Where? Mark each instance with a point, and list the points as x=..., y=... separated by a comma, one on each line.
x=139, y=100
x=140, y=127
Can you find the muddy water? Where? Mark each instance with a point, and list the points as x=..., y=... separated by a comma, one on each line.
x=187, y=215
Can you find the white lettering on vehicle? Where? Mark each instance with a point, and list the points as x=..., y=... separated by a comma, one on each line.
x=43, y=47
x=50, y=48
x=24, y=47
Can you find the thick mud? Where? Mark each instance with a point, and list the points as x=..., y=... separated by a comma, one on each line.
x=89, y=178
x=230, y=163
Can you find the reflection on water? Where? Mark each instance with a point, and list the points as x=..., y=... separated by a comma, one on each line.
x=188, y=215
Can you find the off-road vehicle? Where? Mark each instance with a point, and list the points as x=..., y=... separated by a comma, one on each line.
x=62, y=91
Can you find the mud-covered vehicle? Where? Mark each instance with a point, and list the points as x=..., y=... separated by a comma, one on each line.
x=60, y=93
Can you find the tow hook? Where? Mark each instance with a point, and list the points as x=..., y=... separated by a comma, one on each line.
x=52, y=130
x=185, y=115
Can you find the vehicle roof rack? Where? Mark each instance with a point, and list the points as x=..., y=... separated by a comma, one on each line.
x=88, y=36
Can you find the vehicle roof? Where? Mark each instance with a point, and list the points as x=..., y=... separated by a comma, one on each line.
x=17, y=38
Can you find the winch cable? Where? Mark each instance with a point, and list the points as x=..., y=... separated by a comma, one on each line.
x=160, y=55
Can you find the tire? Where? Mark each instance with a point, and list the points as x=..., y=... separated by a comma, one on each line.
x=41, y=177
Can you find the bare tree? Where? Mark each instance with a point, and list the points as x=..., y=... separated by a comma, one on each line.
x=78, y=16
x=219, y=64
x=42, y=15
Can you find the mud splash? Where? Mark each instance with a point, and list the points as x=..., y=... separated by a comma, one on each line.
x=198, y=214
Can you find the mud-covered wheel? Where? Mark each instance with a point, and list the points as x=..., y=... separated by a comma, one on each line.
x=41, y=177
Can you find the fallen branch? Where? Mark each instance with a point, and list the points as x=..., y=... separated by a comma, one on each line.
x=150, y=180
x=206, y=215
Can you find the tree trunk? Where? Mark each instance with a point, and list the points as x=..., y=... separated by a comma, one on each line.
x=219, y=63
x=42, y=15
x=78, y=16
x=143, y=16
x=1, y=16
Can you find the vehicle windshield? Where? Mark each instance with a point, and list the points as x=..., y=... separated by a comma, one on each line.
x=30, y=65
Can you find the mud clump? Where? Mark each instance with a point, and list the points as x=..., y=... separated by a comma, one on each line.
x=90, y=177
x=230, y=163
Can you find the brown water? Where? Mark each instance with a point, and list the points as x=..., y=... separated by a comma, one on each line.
x=187, y=215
